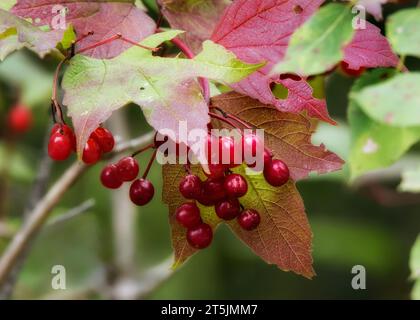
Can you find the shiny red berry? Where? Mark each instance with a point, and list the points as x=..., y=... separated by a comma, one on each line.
x=190, y=187
x=215, y=170
x=19, y=119
x=110, y=178
x=141, y=192
x=91, y=152
x=235, y=186
x=188, y=215
x=227, y=152
x=66, y=130
x=128, y=169
x=214, y=189
x=200, y=237
x=249, y=219
x=104, y=138
x=59, y=146
x=228, y=209
x=251, y=144
x=276, y=173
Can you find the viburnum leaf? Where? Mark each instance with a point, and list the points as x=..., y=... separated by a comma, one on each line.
x=7, y=4
x=259, y=31
x=394, y=102
x=197, y=17
x=402, y=31
x=283, y=238
x=317, y=45
x=375, y=145
x=164, y=87
x=287, y=134
x=105, y=18
x=16, y=33
x=369, y=49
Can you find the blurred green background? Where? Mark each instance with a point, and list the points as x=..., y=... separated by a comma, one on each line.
x=366, y=223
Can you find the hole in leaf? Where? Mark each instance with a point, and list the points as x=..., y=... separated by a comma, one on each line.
x=298, y=9
x=279, y=90
x=318, y=86
x=290, y=76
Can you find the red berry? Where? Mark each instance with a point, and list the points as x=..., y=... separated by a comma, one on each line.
x=200, y=237
x=229, y=209
x=59, y=147
x=214, y=190
x=276, y=173
x=104, y=139
x=351, y=72
x=235, y=186
x=216, y=170
x=190, y=187
x=19, y=119
x=227, y=148
x=66, y=130
x=91, y=152
x=188, y=215
x=249, y=219
x=141, y=192
x=128, y=169
x=251, y=144
x=205, y=200
x=110, y=178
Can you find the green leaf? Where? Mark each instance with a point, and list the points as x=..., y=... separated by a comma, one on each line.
x=394, y=102
x=410, y=181
x=373, y=144
x=7, y=4
x=16, y=33
x=165, y=88
x=402, y=29
x=318, y=44
x=415, y=268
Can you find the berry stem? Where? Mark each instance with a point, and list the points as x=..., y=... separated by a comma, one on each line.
x=56, y=105
x=142, y=150
x=149, y=165
x=84, y=36
x=223, y=119
x=231, y=116
x=188, y=168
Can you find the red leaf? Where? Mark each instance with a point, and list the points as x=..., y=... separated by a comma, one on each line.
x=105, y=19
x=369, y=49
x=198, y=19
x=259, y=31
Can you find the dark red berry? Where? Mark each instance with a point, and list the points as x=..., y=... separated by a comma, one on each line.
x=188, y=215
x=104, y=139
x=227, y=152
x=110, y=178
x=142, y=192
x=91, y=152
x=19, y=119
x=249, y=219
x=59, y=147
x=66, y=130
x=215, y=170
x=276, y=173
x=190, y=187
x=128, y=169
x=214, y=189
x=228, y=209
x=205, y=199
x=251, y=144
x=351, y=72
x=235, y=186
x=200, y=237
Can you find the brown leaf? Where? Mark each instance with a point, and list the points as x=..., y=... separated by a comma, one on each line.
x=287, y=134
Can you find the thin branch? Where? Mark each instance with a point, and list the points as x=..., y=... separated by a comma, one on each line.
x=40, y=213
x=72, y=213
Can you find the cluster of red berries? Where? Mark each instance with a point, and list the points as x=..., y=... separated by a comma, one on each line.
x=127, y=170
x=63, y=142
x=222, y=189
x=19, y=119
